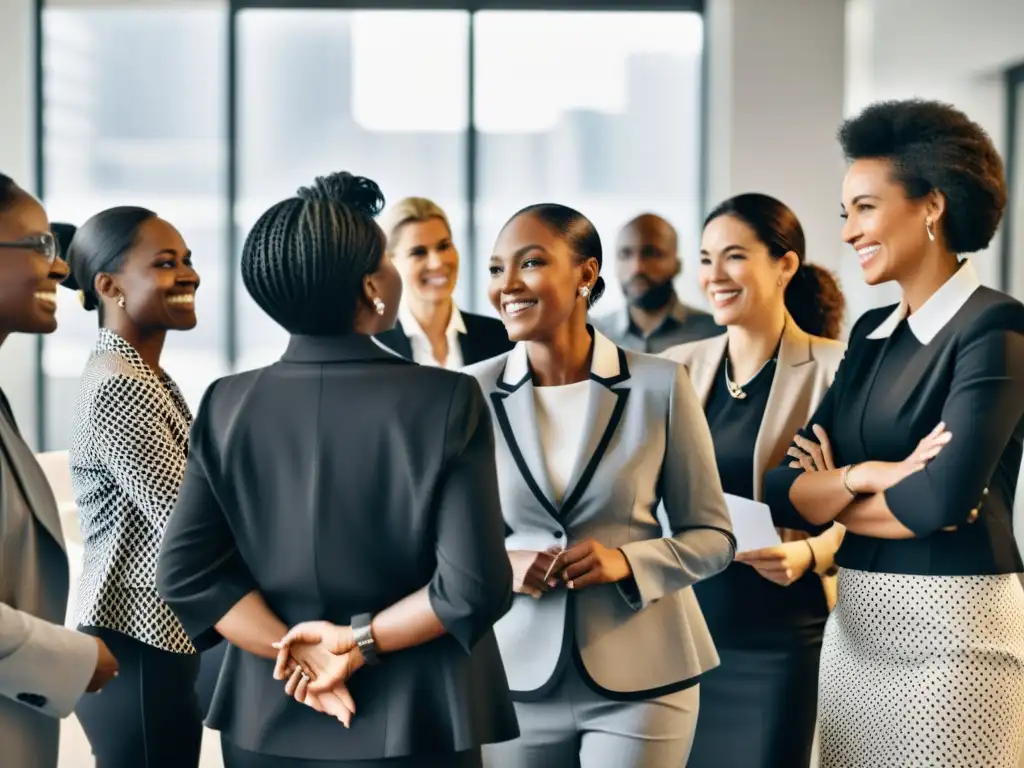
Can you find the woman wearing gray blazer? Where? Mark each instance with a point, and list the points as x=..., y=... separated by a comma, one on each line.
x=604, y=644
x=760, y=383
x=44, y=667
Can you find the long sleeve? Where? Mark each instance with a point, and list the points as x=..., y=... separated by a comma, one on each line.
x=137, y=446
x=779, y=480
x=200, y=572
x=702, y=543
x=472, y=586
x=42, y=665
x=983, y=410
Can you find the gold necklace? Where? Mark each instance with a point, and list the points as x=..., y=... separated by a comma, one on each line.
x=734, y=389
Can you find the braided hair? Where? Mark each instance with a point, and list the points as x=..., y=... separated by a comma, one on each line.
x=304, y=260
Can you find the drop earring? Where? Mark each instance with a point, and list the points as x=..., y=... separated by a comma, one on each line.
x=378, y=305
x=929, y=230
x=120, y=301
x=584, y=291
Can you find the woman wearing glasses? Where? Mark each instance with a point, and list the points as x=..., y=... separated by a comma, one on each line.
x=128, y=449
x=44, y=668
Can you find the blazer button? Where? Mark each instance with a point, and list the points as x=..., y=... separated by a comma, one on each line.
x=557, y=534
x=32, y=699
x=972, y=515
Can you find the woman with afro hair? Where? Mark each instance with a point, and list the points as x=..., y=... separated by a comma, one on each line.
x=916, y=449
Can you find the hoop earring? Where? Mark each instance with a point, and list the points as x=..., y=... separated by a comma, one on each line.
x=120, y=301
x=584, y=291
x=378, y=305
x=929, y=230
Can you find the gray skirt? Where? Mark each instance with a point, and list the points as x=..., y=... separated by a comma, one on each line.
x=923, y=671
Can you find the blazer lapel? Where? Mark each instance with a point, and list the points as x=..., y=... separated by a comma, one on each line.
x=30, y=477
x=789, y=386
x=516, y=415
x=605, y=406
x=704, y=368
x=515, y=412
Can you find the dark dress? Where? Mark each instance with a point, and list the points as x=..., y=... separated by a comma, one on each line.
x=757, y=710
x=923, y=656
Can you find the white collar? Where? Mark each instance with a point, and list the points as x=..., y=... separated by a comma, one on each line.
x=604, y=363
x=940, y=308
x=412, y=327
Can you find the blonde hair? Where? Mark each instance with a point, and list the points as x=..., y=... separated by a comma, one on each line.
x=409, y=210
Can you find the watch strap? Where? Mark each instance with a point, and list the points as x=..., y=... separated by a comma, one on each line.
x=363, y=634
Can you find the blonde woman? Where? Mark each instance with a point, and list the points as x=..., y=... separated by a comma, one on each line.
x=431, y=330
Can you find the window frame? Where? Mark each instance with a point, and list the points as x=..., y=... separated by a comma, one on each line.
x=1014, y=158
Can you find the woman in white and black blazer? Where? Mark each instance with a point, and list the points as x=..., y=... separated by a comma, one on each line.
x=431, y=329
x=604, y=645
x=128, y=448
x=348, y=491
x=759, y=384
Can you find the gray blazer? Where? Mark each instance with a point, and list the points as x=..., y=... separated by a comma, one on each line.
x=44, y=667
x=646, y=441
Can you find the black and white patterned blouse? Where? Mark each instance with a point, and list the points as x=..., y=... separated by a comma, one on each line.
x=128, y=450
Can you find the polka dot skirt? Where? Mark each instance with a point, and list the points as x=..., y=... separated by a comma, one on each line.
x=923, y=672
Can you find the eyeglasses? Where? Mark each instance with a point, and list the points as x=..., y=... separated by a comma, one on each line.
x=44, y=244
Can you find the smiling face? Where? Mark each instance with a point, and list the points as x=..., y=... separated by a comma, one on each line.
x=884, y=226
x=739, y=275
x=427, y=259
x=28, y=282
x=535, y=280
x=156, y=279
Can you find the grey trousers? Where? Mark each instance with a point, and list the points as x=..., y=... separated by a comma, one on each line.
x=574, y=727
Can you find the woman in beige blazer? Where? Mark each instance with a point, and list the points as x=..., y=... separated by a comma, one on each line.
x=759, y=383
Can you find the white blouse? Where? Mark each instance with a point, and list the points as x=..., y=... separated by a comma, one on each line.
x=561, y=412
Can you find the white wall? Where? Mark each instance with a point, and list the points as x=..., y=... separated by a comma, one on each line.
x=17, y=86
x=775, y=100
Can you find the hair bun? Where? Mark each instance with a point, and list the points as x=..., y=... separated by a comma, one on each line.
x=357, y=192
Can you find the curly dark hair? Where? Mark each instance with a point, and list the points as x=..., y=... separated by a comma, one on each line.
x=304, y=260
x=934, y=146
x=813, y=297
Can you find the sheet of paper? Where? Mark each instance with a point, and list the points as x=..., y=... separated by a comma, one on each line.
x=751, y=524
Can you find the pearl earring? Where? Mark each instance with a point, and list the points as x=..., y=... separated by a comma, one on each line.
x=120, y=301
x=378, y=305
x=929, y=230
x=584, y=291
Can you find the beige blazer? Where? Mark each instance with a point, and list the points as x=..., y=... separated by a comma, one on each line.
x=805, y=370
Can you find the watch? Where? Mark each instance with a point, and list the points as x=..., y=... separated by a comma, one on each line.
x=363, y=634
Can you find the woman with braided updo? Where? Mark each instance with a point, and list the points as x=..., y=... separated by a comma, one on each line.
x=353, y=491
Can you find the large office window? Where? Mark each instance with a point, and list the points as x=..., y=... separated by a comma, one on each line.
x=596, y=110
x=378, y=93
x=133, y=114
x=482, y=111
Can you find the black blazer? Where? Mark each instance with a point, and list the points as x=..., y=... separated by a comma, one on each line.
x=336, y=482
x=485, y=337
x=971, y=376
